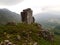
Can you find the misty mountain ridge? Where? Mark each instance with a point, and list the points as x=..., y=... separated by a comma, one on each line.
x=50, y=21
x=48, y=17
x=8, y=16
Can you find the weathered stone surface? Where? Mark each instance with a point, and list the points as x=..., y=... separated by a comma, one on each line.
x=27, y=17
x=46, y=35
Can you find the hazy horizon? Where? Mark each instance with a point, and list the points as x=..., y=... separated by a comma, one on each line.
x=38, y=6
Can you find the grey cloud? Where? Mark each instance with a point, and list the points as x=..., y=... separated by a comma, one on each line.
x=10, y=2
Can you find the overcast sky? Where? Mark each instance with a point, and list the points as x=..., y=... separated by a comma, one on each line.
x=38, y=6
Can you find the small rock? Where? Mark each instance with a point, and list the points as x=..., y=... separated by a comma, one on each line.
x=6, y=41
x=35, y=43
x=5, y=33
x=10, y=43
x=2, y=43
x=18, y=37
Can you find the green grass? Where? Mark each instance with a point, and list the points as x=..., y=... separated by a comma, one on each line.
x=23, y=30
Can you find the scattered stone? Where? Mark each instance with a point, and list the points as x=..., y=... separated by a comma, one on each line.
x=2, y=43
x=46, y=35
x=18, y=37
x=35, y=43
x=5, y=33
x=10, y=43
x=6, y=40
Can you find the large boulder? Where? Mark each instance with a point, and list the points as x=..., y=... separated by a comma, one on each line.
x=46, y=35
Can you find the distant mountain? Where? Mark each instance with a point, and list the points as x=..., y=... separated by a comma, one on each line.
x=8, y=16
x=45, y=18
x=49, y=21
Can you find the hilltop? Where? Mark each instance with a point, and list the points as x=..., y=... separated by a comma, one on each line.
x=29, y=32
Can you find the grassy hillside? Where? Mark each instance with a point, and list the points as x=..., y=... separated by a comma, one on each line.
x=10, y=32
x=23, y=33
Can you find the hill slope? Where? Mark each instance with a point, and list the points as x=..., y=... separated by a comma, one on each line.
x=22, y=34
x=8, y=16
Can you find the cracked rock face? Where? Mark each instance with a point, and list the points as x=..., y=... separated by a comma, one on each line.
x=46, y=35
